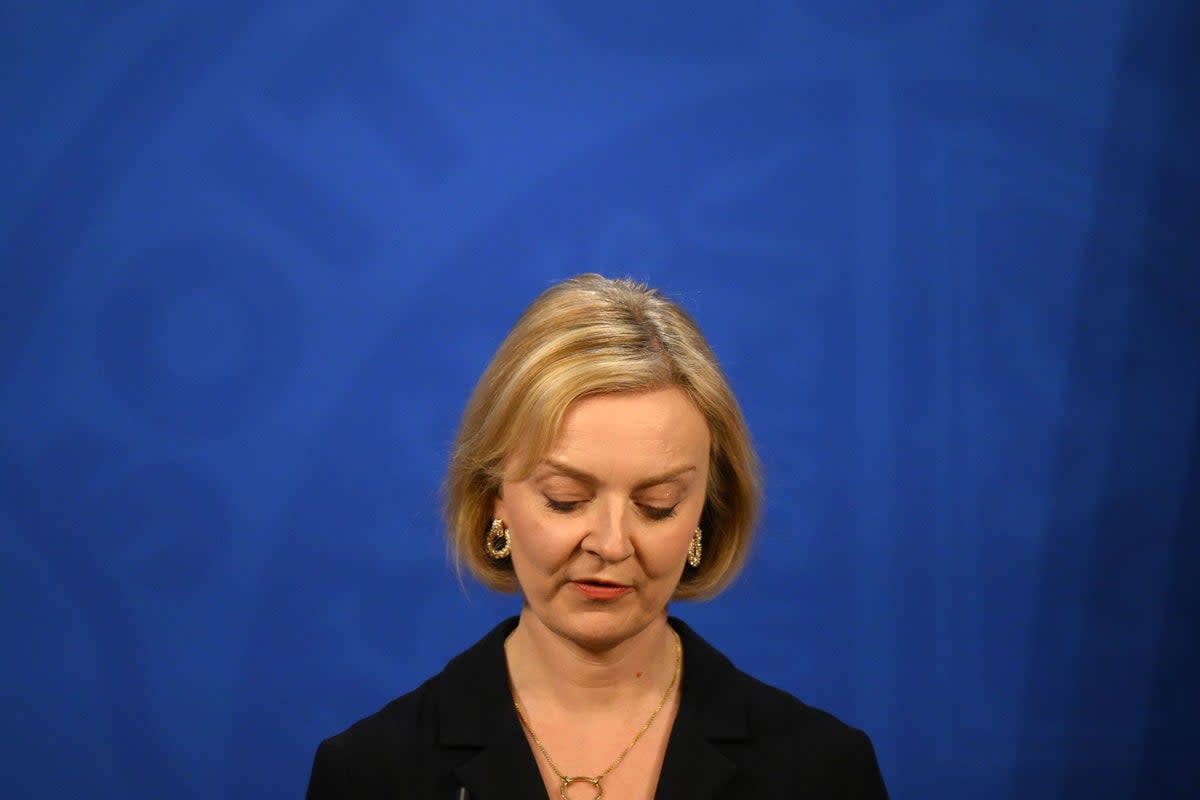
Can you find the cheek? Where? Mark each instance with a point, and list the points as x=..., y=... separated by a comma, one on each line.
x=666, y=553
x=541, y=544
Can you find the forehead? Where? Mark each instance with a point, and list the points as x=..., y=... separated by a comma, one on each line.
x=633, y=425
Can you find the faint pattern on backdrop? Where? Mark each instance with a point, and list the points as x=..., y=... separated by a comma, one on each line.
x=255, y=255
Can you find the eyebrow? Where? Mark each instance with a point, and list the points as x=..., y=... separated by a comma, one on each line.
x=584, y=477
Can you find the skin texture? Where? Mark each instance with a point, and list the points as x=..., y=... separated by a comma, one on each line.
x=615, y=499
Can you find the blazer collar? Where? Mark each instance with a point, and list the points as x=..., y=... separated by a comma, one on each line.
x=711, y=710
x=475, y=711
x=474, y=699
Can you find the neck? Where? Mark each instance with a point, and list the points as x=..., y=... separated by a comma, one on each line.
x=548, y=666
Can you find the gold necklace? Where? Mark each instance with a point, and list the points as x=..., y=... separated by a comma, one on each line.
x=594, y=780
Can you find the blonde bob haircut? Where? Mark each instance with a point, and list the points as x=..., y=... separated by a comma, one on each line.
x=593, y=335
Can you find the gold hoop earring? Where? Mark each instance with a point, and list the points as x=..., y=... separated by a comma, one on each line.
x=497, y=542
x=694, y=549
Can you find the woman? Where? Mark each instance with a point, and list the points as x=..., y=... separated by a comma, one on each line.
x=602, y=469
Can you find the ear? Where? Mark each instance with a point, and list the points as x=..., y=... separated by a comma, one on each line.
x=498, y=505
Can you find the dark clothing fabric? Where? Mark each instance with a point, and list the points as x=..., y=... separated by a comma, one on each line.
x=734, y=737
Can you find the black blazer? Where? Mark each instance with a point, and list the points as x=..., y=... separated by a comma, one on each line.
x=734, y=737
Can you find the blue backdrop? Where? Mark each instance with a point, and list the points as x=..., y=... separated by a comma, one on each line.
x=255, y=254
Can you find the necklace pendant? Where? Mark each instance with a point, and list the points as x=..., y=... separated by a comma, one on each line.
x=595, y=782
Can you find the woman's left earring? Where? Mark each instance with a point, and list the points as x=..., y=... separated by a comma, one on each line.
x=497, y=542
x=694, y=549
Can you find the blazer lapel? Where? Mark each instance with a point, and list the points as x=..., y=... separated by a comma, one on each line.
x=711, y=709
x=502, y=770
x=693, y=767
x=476, y=717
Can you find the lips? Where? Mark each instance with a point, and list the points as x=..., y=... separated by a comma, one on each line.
x=600, y=589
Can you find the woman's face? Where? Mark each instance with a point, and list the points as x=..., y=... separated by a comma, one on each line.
x=600, y=529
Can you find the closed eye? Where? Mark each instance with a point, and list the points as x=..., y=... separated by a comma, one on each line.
x=655, y=513
x=658, y=512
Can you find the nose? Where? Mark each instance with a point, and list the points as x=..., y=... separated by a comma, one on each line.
x=608, y=536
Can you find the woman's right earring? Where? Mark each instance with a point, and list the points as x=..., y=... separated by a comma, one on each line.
x=498, y=541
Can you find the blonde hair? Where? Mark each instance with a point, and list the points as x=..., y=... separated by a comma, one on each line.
x=584, y=336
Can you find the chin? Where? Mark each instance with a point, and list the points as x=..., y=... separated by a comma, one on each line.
x=600, y=629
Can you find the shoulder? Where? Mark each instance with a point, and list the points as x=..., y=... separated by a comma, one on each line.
x=364, y=754
x=411, y=741
x=784, y=724
x=768, y=730
x=774, y=712
x=735, y=699
x=398, y=722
